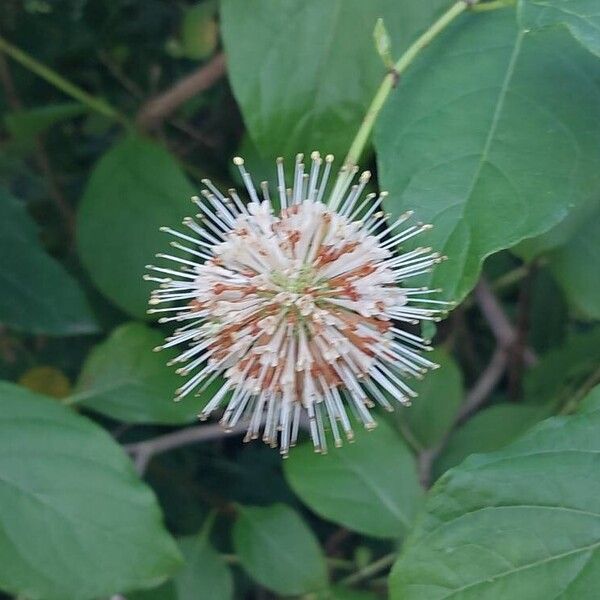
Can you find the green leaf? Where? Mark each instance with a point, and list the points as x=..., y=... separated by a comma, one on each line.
x=488, y=430
x=383, y=44
x=580, y=17
x=304, y=73
x=492, y=138
x=278, y=550
x=124, y=379
x=135, y=188
x=205, y=572
x=37, y=295
x=370, y=486
x=522, y=522
x=25, y=124
x=76, y=522
x=562, y=371
x=432, y=413
x=575, y=266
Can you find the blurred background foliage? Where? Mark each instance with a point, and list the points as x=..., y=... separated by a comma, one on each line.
x=109, y=122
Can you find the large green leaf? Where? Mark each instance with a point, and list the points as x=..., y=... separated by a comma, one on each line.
x=304, y=72
x=124, y=379
x=488, y=430
x=278, y=550
x=523, y=522
x=432, y=413
x=370, y=486
x=580, y=17
x=76, y=522
x=37, y=295
x=492, y=137
x=135, y=188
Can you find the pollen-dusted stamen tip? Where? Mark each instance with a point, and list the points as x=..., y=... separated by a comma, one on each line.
x=299, y=308
x=238, y=161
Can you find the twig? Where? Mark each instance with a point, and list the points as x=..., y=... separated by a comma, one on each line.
x=115, y=70
x=474, y=400
x=581, y=393
x=506, y=337
x=484, y=385
x=516, y=362
x=143, y=452
x=158, y=108
x=501, y=327
x=371, y=569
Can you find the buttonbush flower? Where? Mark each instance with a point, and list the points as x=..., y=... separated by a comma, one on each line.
x=299, y=301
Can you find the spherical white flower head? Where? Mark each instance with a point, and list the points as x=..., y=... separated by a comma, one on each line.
x=299, y=307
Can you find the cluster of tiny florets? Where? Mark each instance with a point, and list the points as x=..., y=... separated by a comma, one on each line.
x=298, y=303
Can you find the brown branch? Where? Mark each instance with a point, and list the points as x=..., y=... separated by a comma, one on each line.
x=143, y=452
x=474, y=400
x=501, y=327
x=153, y=112
x=484, y=386
x=516, y=362
x=506, y=337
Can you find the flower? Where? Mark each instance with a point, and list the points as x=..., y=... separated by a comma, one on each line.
x=298, y=306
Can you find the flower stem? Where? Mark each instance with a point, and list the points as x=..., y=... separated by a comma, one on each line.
x=52, y=77
x=390, y=80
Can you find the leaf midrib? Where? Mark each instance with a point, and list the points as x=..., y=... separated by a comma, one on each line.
x=536, y=563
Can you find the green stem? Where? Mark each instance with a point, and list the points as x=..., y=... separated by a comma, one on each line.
x=573, y=404
x=52, y=77
x=371, y=569
x=391, y=79
x=495, y=4
x=208, y=523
